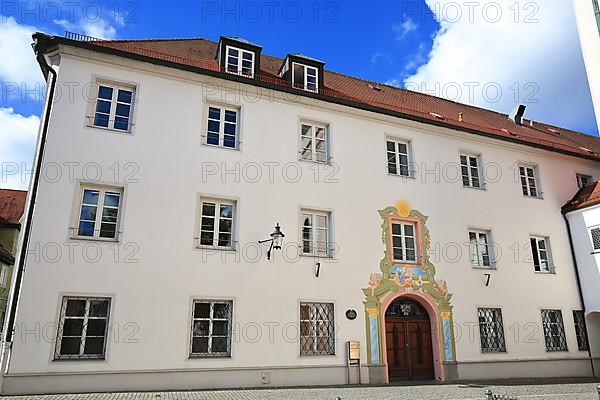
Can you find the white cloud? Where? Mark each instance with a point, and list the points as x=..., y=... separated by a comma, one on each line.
x=529, y=61
x=17, y=144
x=404, y=28
x=19, y=66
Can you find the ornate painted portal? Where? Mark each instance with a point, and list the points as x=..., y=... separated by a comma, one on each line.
x=413, y=277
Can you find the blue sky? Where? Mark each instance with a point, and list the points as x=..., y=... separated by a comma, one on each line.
x=494, y=57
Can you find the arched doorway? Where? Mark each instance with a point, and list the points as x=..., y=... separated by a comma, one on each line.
x=408, y=340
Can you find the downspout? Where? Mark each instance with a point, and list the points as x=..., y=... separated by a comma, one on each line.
x=39, y=47
x=579, y=290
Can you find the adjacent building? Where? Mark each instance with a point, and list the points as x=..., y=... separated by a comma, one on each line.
x=583, y=216
x=12, y=206
x=587, y=15
x=226, y=218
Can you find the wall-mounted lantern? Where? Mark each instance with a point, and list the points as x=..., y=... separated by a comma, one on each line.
x=276, y=240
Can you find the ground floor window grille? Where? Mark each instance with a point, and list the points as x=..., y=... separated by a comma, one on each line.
x=581, y=331
x=83, y=328
x=491, y=330
x=317, y=329
x=211, y=328
x=554, y=330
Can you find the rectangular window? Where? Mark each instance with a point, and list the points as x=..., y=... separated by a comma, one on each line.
x=314, y=142
x=554, y=330
x=583, y=180
x=222, y=126
x=491, y=330
x=541, y=254
x=113, y=107
x=317, y=336
x=305, y=77
x=99, y=212
x=216, y=223
x=404, y=244
x=479, y=248
x=3, y=276
x=469, y=166
x=211, y=328
x=581, y=331
x=316, y=233
x=83, y=328
x=595, y=234
x=398, y=158
x=529, y=181
x=240, y=61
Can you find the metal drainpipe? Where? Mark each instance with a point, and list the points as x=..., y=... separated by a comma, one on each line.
x=40, y=41
x=580, y=292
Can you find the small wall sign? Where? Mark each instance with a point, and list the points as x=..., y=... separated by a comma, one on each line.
x=351, y=314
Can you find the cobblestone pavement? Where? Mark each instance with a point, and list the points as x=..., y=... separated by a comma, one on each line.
x=571, y=391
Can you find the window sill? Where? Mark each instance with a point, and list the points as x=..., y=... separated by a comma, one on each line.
x=545, y=272
x=61, y=359
x=218, y=146
x=317, y=355
x=113, y=130
x=323, y=163
x=310, y=255
x=92, y=239
x=413, y=176
x=226, y=249
x=481, y=189
x=478, y=268
x=208, y=357
x=533, y=197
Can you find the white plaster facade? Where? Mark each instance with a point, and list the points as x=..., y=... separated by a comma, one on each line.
x=588, y=26
x=153, y=273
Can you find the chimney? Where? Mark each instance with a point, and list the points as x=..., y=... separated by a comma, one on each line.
x=460, y=117
x=517, y=115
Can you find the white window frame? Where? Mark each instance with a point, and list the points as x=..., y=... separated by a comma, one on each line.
x=211, y=319
x=471, y=182
x=305, y=69
x=240, y=59
x=398, y=165
x=403, y=237
x=315, y=328
x=313, y=140
x=549, y=268
x=580, y=178
x=114, y=101
x=527, y=189
x=218, y=202
x=84, y=336
x=314, y=244
x=595, y=249
x=102, y=191
x=222, y=111
x=481, y=250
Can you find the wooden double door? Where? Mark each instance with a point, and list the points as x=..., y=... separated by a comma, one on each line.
x=409, y=347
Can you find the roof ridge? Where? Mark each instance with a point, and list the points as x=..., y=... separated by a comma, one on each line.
x=153, y=40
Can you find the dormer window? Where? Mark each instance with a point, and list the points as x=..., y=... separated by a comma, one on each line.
x=238, y=56
x=305, y=77
x=240, y=61
x=303, y=72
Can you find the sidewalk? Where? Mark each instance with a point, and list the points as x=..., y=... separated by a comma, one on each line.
x=554, y=391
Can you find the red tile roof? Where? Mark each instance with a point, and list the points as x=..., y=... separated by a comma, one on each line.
x=12, y=206
x=585, y=197
x=200, y=53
